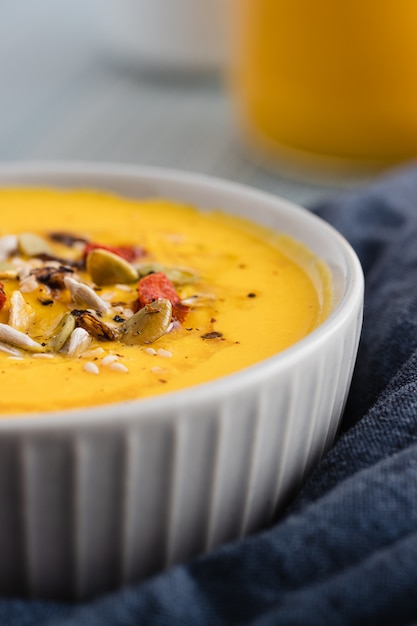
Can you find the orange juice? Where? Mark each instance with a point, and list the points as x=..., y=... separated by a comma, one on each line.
x=331, y=78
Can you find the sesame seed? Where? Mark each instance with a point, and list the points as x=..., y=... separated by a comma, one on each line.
x=150, y=351
x=91, y=354
x=118, y=367
x=123, y=287
x=43, y=355
x=91, y=368
x=166, y=354
x=29, y=284
x=110, y=358
x=108, y=297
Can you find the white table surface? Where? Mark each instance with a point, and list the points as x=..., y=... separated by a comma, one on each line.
x=64, y=96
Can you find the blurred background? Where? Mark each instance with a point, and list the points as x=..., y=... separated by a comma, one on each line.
x=220, y=87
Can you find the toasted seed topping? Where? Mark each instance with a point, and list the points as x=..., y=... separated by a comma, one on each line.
x=94, y=353
x=4, y=347
x=198, y=299
x=28, y=284
x=30, y=259
x=61, y=333
x=18, y=339
x=165, y=354
x=8, y=270
x=67, y=239
x=148, y=324
x=84, y=295
x=8, y=245
x=108, y=296
x=52, y=276
x=178, y=275
x=123, y=287
x=110, y=358
x=52, y=258
x=30, y=244
x=118, y=367
x=79, y=341
x=91, y=368
x=21, y=313
x=107, y=268
x=95, y=327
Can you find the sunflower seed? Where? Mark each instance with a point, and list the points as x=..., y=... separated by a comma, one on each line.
x=84, y=295
x=20, y=313
x=79, y=341
x=18, y=339
x=4, y=347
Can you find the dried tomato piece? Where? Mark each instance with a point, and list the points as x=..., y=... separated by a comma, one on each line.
x=129, y=253
x=2, y=296
x=157, y=285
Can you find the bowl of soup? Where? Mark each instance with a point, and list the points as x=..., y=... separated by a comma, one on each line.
x=175, y=353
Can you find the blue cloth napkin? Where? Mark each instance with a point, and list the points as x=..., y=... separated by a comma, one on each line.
x=345, y=551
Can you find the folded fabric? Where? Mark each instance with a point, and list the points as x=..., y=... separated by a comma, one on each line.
x=345, y=551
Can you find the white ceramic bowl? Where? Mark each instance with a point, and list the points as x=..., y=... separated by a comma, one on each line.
x=92, y=499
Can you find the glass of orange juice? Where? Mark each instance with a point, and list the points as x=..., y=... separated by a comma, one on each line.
x=329, y=84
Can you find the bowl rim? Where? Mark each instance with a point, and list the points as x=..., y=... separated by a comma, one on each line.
x=134, y=411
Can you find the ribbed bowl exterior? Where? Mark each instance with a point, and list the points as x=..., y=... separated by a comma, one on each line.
x=90, y=505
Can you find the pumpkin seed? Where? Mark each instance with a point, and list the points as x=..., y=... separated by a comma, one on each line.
x=107, y=268
x=199, y=299
x=61, y=333
x=18, y=339
x=30, y=244
x=84, y=295
x=177, y=275
x=148, y=324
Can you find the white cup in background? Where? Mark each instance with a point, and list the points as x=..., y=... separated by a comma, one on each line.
x=167, y=35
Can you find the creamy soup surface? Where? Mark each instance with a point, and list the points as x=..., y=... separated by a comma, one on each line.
x=106, y=299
